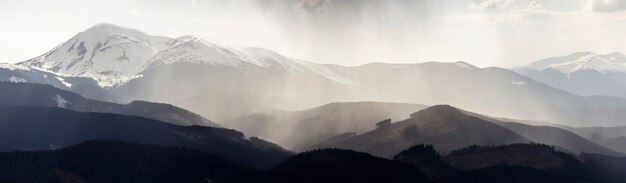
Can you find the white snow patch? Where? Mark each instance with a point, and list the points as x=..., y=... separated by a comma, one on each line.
x=13, y=67
x=327, y=73
x=518, y=83
x=107, y=53
x=60, y=101
x=69, y=85
x=601, y=63
x=463, y=65
x=14, y=79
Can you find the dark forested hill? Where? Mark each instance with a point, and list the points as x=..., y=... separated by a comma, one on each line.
x=117, y=161
x=336, y=165
x=445, y=127
x=26, y=94
x=42, y=128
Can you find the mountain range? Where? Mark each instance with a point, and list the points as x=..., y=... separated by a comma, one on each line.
x=117, y=161
x=152, y=105
x=27, y=128
x=26, y=94
x=582, y=73
x=112, y=63
x=301, y=129
x=448, y=128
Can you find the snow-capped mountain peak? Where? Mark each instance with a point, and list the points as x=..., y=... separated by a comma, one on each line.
x=107, y=53
x=112, y=55
x=608, y=63
x=195, y=49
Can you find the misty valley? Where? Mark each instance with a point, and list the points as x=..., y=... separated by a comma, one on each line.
x=115, y=104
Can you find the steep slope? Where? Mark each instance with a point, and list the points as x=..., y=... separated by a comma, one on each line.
x=21, y=74
x=25, y=94
x=107, y=53
x=445, y=127
x=42, y=128
x=117, y=161
x=582, y=73
x=113, y=55
x=297, y=130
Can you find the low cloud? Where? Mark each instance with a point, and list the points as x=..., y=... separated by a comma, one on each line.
x=492, y=4
x=605, y=5
x=311, y=6
x=511, y=12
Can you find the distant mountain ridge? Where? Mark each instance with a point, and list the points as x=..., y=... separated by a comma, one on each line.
x=118, y=161
x=224, y=83
x=582, y=73
x=448, y=128
x=27, y=94
x=113, y=55
x=26, y=128
x=300, y=129
x=445, y=127
x=107, y=53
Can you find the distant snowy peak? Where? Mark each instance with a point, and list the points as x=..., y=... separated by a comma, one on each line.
x=194, y=49
x=112, y=55
x=609, y=63
x=109, y=54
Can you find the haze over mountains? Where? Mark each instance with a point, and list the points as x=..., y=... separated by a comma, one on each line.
x=107, y=62
x=582, y=73
x=111, y=87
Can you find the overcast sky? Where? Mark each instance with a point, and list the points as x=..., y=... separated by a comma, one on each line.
x=501, y=33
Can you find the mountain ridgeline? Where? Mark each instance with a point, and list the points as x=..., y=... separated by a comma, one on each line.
x=25, y=128
x=112, y=63
x=25, y=94
x=448, y=128
x=582, y=73
x=114, y=104
x=116, y=161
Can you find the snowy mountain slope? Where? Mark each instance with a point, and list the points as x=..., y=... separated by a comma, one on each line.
x=582, y=73
x=193, y=49
x=113, y=55
x=197, y=50
x=18, y=73
x=223, y=82
x=107, y=53
x=609, y=63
